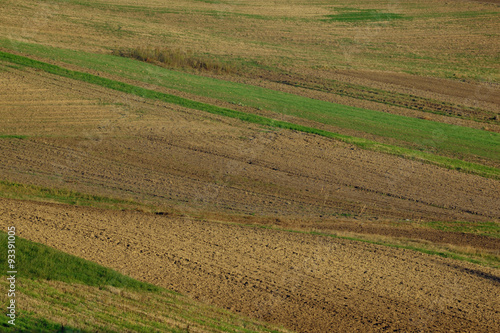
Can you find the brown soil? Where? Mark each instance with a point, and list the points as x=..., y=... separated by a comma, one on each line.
x=370, y=54
x=435, y=41
x=158, y=153
x=98, y=141
x=307, y=283
x=473, y=91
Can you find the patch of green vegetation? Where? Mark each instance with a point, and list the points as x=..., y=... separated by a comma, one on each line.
x=6, y=136
x=439, y=138
x=399, y=99
x=489, y=229
x=362, y=15
x=32, y=192
x=26, y=322
x=431, y=134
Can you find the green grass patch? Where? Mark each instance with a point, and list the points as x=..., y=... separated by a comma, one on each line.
x=451, y=140
x=430, y=133
x=13, y=190
x=6, y=136
x=489, y=229
x=60, y=288
x=362, y=15
x=26, y=322
x=439, y=138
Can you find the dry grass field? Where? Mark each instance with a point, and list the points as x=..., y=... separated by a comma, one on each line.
x=288, y=165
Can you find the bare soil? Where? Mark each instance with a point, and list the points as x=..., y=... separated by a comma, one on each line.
x=166, y=155
x=187, y=163
x=307, y=283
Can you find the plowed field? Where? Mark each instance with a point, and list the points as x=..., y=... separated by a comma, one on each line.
x=305, y=282
x=379, y=229
x=165, y=154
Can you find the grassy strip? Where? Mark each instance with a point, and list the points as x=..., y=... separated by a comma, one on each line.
x=27, y=322
x=407, y=101
x=489, y=229
x=171, y=58
x=446, y=162
x=435, y=137
x=20, y=137
x=42, y=262
x=30, y=192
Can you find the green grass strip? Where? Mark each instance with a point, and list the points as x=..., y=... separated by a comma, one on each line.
x=460, y=142
x=20, y=137
x=26, y=322
x=40, y=263
x=488, y=229
x=442, y=161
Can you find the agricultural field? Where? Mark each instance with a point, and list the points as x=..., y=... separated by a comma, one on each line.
x=251, y=166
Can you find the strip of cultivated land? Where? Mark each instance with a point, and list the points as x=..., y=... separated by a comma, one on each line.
x=457, y=40
x=465, y=142
x=155, y=152
x=473, y=144
x=305, y=282
x=159, y=157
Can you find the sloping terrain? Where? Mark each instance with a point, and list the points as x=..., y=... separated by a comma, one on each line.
x=58, y=292
x=307, y=283
x=317, y=165
x=169, y=155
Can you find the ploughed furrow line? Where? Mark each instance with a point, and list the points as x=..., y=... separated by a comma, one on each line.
x=306, y=282
x=325, y=175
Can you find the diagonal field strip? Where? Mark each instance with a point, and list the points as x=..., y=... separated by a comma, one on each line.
x=442, y=161
x=435, y=137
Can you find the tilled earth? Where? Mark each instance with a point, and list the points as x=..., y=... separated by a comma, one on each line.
x=307, y=283
x=94, y=140
x=158, y=153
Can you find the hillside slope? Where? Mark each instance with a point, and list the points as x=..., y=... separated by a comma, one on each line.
x=307, y=283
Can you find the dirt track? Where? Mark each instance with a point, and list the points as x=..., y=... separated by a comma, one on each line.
x=308, y=283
